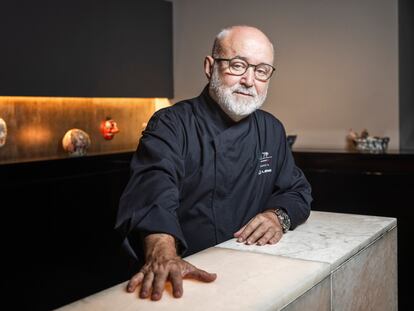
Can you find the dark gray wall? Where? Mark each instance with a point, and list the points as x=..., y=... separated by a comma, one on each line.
x=406, y=75
x=91, y=48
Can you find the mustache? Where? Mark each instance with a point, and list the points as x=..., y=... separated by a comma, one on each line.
x=242, y=89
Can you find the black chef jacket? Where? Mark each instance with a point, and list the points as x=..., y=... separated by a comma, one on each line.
x=200, y=176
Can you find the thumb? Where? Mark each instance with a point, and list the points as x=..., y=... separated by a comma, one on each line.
x=201, y=275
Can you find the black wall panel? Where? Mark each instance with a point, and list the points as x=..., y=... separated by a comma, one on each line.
x=86, y=48
x=406, y=73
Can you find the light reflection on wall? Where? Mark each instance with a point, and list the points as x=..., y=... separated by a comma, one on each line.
x=33, y=135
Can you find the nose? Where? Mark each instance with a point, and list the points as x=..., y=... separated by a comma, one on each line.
x=247, y=78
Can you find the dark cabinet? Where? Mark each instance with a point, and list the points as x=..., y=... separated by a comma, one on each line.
x=57, y=235
x=86, y=48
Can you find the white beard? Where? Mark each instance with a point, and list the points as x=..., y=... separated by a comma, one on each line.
x=232, y=104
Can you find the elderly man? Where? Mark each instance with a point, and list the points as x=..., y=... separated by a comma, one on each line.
x=212, y=168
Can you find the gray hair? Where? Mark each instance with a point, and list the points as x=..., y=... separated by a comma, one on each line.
x=217, y=48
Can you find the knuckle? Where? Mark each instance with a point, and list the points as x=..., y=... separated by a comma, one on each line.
x=262, y=230
x=267, y=227
x=158, y=286
x=263, y=240
x=271, y=231
x=174, y=268
x=156, y=269
x=268, y=235
x=252, y=236
x=259, y=234
x=274, y=240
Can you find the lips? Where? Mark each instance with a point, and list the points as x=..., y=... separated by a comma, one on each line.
x=243, y=93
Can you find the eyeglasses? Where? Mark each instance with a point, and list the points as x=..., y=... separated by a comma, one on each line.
x=238, y=67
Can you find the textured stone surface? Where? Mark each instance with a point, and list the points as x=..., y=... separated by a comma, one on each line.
x=245, y=281
x=318, y=298
x=325, y=237
x=334, y=262
x=368, y=281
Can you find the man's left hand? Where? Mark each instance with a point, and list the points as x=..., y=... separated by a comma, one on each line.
x=262, y=229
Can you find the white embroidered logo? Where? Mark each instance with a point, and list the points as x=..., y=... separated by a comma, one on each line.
x=264, y=163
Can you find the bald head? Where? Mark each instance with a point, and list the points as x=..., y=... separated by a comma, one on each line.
x=232, y=39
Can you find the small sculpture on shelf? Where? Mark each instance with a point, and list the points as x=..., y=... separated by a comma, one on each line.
x=365, y=143
x=3, y=132
x=76, y=142
x=109, y=128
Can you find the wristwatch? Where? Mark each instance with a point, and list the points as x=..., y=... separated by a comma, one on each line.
x=284, y=219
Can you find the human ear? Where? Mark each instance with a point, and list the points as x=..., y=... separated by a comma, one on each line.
x=208, y=66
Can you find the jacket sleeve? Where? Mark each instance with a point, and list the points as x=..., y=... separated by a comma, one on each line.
x=151, y=197
x=292, y=191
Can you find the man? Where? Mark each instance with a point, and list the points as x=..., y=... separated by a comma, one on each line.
x=212, y=168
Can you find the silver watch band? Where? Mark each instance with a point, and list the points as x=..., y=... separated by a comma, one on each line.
x=284, y=219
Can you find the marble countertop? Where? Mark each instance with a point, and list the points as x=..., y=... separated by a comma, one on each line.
x=325, y=237
x=253, y=277
x=245, y=281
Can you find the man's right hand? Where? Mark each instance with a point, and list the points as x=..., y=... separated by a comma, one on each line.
x=161, y=265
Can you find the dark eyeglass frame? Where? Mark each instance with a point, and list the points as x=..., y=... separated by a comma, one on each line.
x=218, y=59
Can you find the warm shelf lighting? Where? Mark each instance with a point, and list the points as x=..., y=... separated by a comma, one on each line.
x=36, y=125
x=161, y=103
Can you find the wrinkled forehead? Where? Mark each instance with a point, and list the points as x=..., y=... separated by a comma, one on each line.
x=253, y=46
